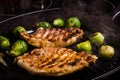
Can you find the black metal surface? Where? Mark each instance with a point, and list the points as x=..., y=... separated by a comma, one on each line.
x=93, y=18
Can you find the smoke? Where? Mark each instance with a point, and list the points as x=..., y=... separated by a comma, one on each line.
x=95, y=15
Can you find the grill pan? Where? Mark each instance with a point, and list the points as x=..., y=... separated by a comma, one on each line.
x=92, y=21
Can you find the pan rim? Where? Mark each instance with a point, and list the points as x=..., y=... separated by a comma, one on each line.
x=107, y=74
x=24, y=14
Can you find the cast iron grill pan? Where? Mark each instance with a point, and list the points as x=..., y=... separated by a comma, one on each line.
x=91, y=22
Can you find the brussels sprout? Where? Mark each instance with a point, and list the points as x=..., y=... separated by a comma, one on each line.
x=97, y=38
x=43, y=25
x=84, y=46
x=106, y=51
x=17, y=30
x=73, y=22
x=58, y=22
x=18, y=48
x=4, y=43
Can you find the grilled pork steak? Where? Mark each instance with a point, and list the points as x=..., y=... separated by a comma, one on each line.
x=54, y=37
x=54, y=61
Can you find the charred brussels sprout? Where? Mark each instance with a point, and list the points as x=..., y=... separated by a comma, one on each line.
x=106, y=51
x=58, y=22
x=97, y=38
x=43, y=25
x=17, y=30
x=4, y=43
x=73, y=22
x=18, y=48
x=84, y=46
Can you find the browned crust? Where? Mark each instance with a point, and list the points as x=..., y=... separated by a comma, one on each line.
x=54, y=37
x=54, y=61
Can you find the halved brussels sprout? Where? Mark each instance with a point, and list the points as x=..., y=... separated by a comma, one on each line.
x=97, y=38
x=84, y=46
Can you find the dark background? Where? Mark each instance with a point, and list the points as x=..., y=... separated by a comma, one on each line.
x=11, y=8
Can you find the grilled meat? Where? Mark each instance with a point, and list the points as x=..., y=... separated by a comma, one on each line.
x=54, y=61
x=54, y=37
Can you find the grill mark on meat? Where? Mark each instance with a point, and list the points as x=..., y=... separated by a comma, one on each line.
x=47, y=58
x=59, y=58
x=46, y=34
x=73, y=62
x=63, y=62
x=54, y=61
x=37, y=35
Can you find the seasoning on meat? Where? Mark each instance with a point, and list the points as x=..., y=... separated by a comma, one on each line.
x=53, y=37
x=54, y=61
